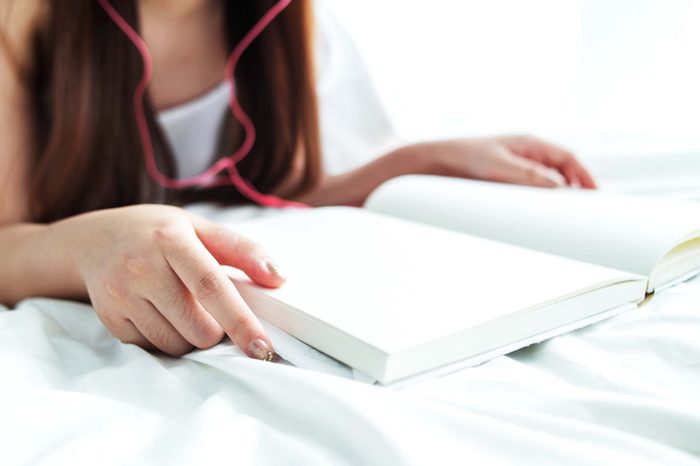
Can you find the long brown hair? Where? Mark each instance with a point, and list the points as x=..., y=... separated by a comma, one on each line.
x=88, y=153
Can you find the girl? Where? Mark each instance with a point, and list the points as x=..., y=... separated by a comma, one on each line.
x=91, y=179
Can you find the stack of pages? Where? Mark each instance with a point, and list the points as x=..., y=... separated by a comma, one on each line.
x=436, y=271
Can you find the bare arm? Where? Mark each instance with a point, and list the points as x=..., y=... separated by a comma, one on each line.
x=15, y=133
x=28, y=259
x=352, y=188
x=508, y=159
x=19, y=242
x=32, y=266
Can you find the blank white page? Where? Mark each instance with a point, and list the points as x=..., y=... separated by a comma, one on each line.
x=617, y=231
x=395, y=284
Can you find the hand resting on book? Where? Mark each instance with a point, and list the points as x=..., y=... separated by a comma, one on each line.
x=153, y=274
x=508, y=159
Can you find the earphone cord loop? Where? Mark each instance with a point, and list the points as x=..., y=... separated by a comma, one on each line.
x=209, y=177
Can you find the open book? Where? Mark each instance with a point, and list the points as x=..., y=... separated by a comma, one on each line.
x=438, y=271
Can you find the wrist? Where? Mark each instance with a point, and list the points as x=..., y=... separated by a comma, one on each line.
x=64, y=247
x=415, y=159
x=419, y=159
x=34, y=265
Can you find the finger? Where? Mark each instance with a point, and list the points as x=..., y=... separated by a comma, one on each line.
x=211, y=287
x=119, y=326
x=576, y=174
x=156, y=329
x=572, y=177
x=231, y=248
x=553, y=156
x=185, y=314
x=536, y=149
x=584, y=176
x=127, y=333
x=530, y=173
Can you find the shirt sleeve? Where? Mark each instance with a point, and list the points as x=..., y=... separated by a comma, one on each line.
x=355, y=127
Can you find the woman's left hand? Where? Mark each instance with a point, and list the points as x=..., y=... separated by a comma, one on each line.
x=507, y=159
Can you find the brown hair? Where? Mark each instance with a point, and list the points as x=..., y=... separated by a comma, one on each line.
x=88, y=152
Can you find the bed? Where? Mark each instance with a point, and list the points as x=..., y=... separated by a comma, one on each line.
x=624, y=391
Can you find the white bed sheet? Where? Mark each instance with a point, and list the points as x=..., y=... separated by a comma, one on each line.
x=625, y=391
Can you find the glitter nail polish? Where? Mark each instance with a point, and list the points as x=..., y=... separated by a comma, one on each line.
x=259, y=349
x=274, y=270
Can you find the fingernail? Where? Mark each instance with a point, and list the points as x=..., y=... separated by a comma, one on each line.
x=274, y=270
x=259, y=349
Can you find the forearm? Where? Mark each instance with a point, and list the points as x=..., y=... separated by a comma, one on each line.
x=352, y=188
x=36, y=261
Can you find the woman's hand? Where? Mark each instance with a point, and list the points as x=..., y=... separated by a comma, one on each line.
x=153, y=275
x=507, y=159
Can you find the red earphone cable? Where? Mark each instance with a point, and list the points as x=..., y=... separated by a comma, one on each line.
x=209, y=177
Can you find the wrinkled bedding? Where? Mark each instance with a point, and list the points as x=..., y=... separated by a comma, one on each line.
x=624, y=391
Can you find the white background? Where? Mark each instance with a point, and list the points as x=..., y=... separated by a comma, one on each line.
x=615, y=72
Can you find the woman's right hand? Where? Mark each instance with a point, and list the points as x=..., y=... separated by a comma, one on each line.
x=153, y=275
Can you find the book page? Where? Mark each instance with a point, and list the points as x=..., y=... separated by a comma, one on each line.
x=395, y=284
x=618, y=231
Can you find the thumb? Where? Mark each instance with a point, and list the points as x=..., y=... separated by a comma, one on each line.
x=234, y=249
x=520, y=170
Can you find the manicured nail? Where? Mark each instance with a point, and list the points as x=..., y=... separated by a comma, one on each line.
x=259, y=349
x=274, y=270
